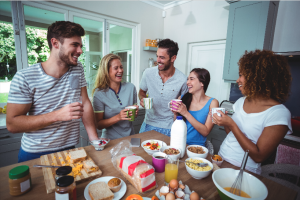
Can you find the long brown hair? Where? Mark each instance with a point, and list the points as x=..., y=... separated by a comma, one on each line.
x=204, y=77
x=102, y=80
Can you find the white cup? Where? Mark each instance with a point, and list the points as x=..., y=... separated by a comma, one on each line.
x=214, y=110
x=172, y=105
x=148, y=103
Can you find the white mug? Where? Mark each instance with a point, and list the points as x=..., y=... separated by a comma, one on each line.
x=214, y=110
x=148, y=103
x=171, y=102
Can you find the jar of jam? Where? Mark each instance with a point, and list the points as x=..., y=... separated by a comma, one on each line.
x=63, y=171
x=19, y=180
x=65, y=188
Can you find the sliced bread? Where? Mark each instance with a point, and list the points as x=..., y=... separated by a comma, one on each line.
x=77, y=156
x=100, y=191
x=90, y=166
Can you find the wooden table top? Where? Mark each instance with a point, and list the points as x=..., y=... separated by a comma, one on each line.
x=204, y=187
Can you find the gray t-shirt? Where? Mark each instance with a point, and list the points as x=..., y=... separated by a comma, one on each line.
x=47, y=94
x=111, y=104
x=162, y=93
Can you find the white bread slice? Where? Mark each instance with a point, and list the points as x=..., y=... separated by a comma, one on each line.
x=78, y=155
x=100, y=191
x=90, y=166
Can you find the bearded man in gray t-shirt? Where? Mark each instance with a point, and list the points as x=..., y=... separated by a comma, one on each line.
x=163, y=83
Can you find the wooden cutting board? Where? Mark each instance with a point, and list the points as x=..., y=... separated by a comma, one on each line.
x=57, y=159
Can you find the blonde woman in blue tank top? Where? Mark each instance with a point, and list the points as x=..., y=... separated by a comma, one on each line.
x=195, y=107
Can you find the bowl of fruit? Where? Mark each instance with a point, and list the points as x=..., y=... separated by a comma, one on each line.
x=152, y=146
x=99, y=144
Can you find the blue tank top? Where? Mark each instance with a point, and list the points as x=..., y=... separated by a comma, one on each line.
x=193, y=136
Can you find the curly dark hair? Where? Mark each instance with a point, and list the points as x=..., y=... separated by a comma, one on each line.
x=267, y=75
x=170, y=45
x=63, y=29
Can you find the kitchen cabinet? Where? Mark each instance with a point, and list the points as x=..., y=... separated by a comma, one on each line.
x=251, y=26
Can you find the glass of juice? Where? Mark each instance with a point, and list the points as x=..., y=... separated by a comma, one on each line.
x=171, y=170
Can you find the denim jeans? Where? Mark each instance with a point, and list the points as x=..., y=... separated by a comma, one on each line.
x=25, y=156
x=146, y=127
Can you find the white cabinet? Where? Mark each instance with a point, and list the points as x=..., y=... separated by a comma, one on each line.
x=287, y=29
x=251, y=26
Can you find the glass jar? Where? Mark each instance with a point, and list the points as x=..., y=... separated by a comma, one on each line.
x=19, y=180
x=63, y=171
x=151, y=62
x=65, y=188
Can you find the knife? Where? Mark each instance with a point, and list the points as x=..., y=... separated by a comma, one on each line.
x=46, y=166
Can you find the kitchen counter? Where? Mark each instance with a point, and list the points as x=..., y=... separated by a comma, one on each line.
x=204, y=187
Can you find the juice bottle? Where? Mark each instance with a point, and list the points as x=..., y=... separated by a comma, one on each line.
x=171, y=171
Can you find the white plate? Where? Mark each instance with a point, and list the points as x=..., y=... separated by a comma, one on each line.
x=118, y=195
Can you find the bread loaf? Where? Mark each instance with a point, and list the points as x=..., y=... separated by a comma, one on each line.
x=135, y=179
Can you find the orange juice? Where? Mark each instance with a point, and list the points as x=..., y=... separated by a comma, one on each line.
x=243, y=194
x=171, y=172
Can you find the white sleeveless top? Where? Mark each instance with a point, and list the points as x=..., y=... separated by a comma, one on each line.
x=252, y=125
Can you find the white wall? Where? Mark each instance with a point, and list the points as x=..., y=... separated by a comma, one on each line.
x=195, y=21
x=149, y=17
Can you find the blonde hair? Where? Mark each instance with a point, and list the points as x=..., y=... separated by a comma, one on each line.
x=102, y=80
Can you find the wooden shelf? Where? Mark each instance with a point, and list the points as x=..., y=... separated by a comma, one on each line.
x=150, y=49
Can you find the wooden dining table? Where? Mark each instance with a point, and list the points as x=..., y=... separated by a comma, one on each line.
x=204, y=187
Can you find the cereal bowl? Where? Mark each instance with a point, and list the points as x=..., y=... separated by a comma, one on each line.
x=173, y=156
x=192, y=154
x=152, y=151
x=198, y=174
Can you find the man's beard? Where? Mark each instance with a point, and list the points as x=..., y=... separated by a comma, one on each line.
x=65, y=58
x=166, y=66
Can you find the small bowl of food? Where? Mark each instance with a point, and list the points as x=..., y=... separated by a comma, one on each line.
x=172, y=152
x=114, y=184
x=153, y=146
x=99, y=144
x=217, y=159
x=196, y=151
x=198, y=172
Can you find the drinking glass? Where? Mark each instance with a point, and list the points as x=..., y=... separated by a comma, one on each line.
x=171, y=170
x=76, y=99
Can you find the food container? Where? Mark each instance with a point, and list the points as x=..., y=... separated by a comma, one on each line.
x=148, y=150
x=217, y=160
x=198, y=174
x=147, y=44
x=198, y=155
x=114, y=184
x=65, y=188
x=62, y=171
x=174, y=156
x=224, y=178
x=19, y=180
x=99, y=144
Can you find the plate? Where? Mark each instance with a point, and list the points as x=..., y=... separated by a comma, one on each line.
x=146, y=198
x=118, y=195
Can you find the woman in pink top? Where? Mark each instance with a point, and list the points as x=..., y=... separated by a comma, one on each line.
x=260, y=120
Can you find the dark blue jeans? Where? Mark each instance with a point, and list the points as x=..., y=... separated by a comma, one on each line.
x=24, y=156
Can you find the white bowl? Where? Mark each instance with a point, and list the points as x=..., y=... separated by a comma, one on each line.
x=198, y=174
x=198, y=155
x=173, y=157
x=149, y=151
x=99, y=144
x=251, y=185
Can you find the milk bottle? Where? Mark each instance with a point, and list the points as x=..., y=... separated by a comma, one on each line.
x=178, y=135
